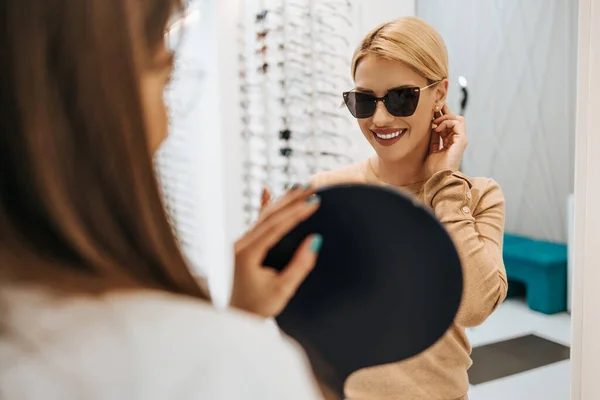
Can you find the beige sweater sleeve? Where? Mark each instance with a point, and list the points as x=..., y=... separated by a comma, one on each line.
x=473, y=213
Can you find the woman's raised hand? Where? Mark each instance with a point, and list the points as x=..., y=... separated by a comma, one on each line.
x=452, y=131
x=263, y=290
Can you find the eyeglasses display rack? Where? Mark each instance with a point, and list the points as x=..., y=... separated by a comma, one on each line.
x=294, y=64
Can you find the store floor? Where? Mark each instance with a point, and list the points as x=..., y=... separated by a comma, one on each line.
x=520, y=354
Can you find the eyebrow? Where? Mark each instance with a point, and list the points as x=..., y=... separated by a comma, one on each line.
x=369, y=91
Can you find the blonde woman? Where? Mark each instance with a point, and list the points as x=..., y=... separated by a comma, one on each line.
x=400, y=72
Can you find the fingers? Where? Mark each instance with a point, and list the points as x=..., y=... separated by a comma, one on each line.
x=446, y=109
x=451, y=127
x=302, y=264
x=452, y=131
x=271, y=229
x=446, y=125
x=448, y=140
x=448, y=117
x=265, y=198
x=447, y=132
x=265, y=201
x=297, y=193
x=294, y=194
x=434, y=142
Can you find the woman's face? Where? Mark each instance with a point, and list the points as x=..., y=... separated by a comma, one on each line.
x=375, y=75
x=153, y=83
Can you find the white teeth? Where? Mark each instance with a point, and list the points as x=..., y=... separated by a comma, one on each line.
x=390, y=135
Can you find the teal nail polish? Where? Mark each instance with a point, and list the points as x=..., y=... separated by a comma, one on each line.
x=295, y=186
x=315, y=244
x=307, y=186
x=314, y=199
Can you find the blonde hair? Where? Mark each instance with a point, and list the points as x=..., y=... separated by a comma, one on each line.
x=411, y=41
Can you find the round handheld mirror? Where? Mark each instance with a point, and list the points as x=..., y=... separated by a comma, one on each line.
x=387, y=284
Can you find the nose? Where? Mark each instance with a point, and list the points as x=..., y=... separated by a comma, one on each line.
x=382, y=117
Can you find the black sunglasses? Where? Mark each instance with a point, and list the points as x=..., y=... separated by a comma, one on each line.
x=401, y=102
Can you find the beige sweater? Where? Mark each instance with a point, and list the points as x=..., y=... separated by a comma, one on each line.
x=472, y=210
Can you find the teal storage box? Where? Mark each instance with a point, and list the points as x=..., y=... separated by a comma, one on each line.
x=542, y=268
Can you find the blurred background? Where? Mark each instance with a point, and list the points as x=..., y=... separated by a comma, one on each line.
x=255, y=101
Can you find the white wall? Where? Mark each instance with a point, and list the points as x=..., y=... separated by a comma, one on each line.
x=519, y=59
x=585, y=348
x=372, y=13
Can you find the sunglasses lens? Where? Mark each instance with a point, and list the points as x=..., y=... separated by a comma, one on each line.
x=361, y=105
x=399, y=102
x=402, y=102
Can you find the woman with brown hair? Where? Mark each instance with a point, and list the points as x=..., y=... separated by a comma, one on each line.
x=96, y=300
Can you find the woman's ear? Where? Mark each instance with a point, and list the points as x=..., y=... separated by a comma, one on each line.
x=441, y=93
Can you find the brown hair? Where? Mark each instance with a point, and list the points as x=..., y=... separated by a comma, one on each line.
x=411, y=41
x=80, y=206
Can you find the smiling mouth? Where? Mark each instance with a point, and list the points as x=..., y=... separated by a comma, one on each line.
x=389, y=136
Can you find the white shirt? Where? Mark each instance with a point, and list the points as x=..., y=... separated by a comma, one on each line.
x=142, y=345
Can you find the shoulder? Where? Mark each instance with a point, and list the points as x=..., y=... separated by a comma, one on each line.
x=238, y=354
x=486, y=188
x=130, y=339
x=470, y=191
x=354, y=173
